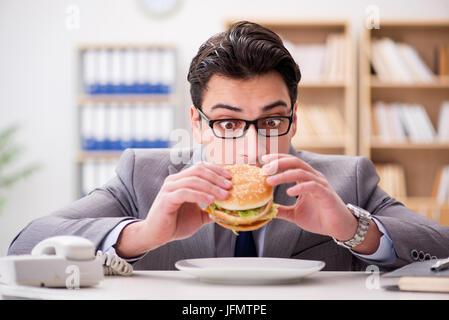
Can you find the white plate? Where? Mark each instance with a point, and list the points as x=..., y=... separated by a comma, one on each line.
x=249, y=270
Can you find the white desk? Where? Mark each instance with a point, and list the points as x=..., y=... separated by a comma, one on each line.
x=176, y=285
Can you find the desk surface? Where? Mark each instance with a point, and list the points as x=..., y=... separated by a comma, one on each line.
x=176, y=285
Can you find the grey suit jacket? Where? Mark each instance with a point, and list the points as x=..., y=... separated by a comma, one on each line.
x=141, y=173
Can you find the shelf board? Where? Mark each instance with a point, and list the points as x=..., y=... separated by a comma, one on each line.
x=125, y=98
x=98, y=155
x=438, y=83
x=318, y=144
x=294, y=23
x=322, y=84
x=376, y=143
x=405, y=23
x=123, y=46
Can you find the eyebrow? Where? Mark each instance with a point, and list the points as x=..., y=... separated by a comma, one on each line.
x=264, y=109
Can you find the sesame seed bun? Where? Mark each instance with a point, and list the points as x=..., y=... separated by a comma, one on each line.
x=250, y=191
x=249, y=188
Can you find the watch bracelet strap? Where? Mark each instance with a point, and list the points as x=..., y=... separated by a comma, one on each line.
x=359, y=236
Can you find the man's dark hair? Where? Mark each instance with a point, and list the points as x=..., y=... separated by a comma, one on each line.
x=243, y=51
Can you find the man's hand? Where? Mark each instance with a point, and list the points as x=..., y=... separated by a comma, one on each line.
x=318, y=208
x=175, y=213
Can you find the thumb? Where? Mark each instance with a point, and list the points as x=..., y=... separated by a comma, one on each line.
x=205, y=218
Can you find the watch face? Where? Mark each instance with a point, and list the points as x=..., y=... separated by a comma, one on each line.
x=160, y=7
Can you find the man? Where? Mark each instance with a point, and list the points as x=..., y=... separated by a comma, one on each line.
x=244, y=89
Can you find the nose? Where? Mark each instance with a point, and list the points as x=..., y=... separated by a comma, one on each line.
x=251, y=145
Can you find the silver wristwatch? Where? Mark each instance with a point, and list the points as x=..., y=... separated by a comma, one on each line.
x=364, y=218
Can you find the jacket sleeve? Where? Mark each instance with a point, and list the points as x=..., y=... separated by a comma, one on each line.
x=407, y=229
x=91, y=217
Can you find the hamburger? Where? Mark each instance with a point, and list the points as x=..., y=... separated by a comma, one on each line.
x=250, y=202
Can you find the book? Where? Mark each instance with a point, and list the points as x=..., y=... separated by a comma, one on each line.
x=392, y=179
x=321, y=61
x=319, y=123
x=418, y=276
x=402, y=122
x=443, y=122
x=442, y=185
x=95, y=173
x=128, y=70
x=418, y=69
x=442, y=59
x=117, y=126
x=398, y=62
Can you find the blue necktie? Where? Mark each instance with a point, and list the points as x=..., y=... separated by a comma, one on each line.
x=244, y=245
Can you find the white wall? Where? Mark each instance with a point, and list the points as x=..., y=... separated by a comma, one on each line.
x=38, y=71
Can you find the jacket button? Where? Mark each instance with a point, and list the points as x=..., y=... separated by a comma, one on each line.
x=414, y=254
x=427, y=256
x=421, y=256
x=434, y=257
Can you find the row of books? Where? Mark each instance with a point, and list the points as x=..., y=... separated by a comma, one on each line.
x=320, y=122
x=392, y=179
x=117, y=127
x=128, y=71
x=95, y=173
x=398, y=62
x=401, y=122
x=442, y=192
x=322, y=62
x=441, y=67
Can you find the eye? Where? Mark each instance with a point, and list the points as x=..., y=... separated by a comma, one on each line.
x=271, y=123
x=229, y=124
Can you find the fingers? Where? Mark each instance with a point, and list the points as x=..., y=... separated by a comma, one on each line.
x=214, y=167
x=210, y=182
x=295, y=175
x=310, y=187
x=200, y=184
x=207, y=171
x=183, y=195
x=277, y=162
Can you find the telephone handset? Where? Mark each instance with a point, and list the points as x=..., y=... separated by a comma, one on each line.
x=68, y=247
x=62, y=261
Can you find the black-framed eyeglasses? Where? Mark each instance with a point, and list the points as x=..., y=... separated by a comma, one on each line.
x=274, y=126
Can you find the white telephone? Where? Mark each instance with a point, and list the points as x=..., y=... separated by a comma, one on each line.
x=62, y=261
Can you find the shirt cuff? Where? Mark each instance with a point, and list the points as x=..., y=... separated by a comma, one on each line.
x=111, y=239
x=385, y=253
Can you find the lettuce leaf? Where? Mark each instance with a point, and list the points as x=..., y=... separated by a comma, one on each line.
x=248, y=213
x=273, y=212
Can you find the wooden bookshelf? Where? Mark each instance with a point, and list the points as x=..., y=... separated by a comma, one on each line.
x=328, y=93
x=421, y=161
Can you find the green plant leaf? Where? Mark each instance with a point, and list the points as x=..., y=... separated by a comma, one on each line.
x=7, y=134
x=9, y=155
x=7, y=181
